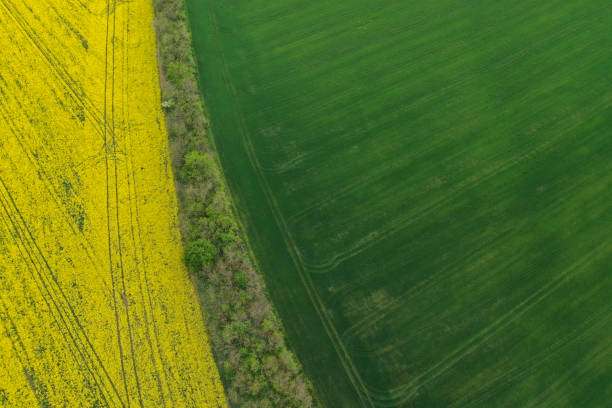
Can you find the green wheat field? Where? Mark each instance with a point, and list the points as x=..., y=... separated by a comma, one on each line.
x=427, y=189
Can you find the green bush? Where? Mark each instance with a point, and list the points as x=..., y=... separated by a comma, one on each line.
x=197, y=167
x=240, y=280
x=200, y=254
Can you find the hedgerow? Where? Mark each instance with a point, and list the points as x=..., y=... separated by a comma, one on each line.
x=257, y=368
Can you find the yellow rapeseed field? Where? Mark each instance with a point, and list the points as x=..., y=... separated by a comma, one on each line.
x=96, y=307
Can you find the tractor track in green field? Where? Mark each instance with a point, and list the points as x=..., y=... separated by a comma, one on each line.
x=350, y=368
x=437, y=175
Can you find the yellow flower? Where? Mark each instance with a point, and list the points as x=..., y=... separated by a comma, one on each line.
x=96, y=307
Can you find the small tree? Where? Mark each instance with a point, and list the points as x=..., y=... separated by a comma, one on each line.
x=197, y=167
x=200, y=254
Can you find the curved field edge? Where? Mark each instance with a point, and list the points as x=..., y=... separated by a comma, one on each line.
x=438, y=119
x=257, y=367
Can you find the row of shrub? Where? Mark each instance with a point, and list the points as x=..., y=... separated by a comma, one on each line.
x=257, y=368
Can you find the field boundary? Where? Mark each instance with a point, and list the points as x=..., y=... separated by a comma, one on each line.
x=247, y=338
x=294, y=252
